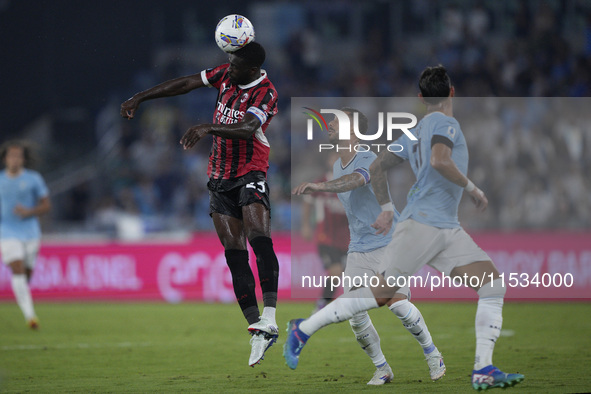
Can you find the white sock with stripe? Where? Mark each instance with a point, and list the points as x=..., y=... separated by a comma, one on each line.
x=367, y=337
x=413, y=321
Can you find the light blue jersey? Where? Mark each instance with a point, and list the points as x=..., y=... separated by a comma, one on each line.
x=361, y=207
x=26, y=189
x=433, y=200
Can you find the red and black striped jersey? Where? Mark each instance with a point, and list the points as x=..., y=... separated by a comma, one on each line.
x=233, y=158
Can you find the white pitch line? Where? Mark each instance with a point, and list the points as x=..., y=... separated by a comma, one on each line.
x=76, y=346
x=507, y=332
x=439, y=336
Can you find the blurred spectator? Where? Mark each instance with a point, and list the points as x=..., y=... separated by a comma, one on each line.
x=146, y=196
x=147, y=152
x=453, y=25
x=478, y=22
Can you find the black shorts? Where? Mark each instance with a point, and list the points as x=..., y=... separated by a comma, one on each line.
x=229, y=197
x=331, y=255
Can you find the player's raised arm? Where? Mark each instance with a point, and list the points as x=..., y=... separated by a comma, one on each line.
x=343, y=184
x=378, y=172
x=173, y=87
x=441, y=161
x=340, y=185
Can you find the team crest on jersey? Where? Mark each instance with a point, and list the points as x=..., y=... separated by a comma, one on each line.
x=244, y=97
x=451, y=131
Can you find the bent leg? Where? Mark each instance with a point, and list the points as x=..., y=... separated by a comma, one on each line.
x=333, y=263
x=478, y=269
x=257, y=228
x=408, y=261
x=231, y=234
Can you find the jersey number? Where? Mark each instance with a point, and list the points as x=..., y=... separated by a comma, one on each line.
x=260, y=184
x=418, y=157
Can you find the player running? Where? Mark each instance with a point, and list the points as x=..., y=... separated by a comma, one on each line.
x=238, y=163
x=428, y=231
x=367, y=251
x=23, y=198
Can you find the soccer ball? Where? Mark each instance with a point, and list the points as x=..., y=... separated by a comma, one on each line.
x=233, y=32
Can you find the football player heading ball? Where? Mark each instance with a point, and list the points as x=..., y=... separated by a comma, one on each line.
x=238, y=163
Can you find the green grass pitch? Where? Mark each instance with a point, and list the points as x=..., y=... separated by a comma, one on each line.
x=189, y=347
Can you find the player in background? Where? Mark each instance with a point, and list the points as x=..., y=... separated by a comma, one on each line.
x=428, y=231
x=367, y=250
x=238, y=163
x=324, y=220
x=23, y=198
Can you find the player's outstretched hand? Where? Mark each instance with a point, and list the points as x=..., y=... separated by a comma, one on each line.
x=479, y=199
x=129, y=107
x=194, y=134
x=384, y=222
x=305, y=188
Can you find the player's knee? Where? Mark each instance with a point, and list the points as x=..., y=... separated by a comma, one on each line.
x=254, y=233
x=383, y=294
x=382, y=300
x=492, y=289
x=17, y=267
x=397, y=297
x=254, y=230
x=402, y=293
x=262, y=245
x=231, y=242
x=257, y=222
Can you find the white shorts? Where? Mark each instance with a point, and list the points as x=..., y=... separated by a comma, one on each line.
x=13, y=249
x=415, y=244
x=367, y=265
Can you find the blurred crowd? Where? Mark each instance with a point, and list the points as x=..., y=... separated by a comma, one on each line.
x=536, y=177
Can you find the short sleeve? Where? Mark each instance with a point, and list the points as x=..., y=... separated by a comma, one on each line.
x=448, y=129
x=400, y=147
x=263, y=103
x=362, y=165
x=41, y=189
x=213, y=77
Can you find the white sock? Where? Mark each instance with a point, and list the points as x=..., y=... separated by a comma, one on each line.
x=269, y=313
x=413, y=321
x=489, y=320
x=22, y=293
x=341, y=309
x=367, y=337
